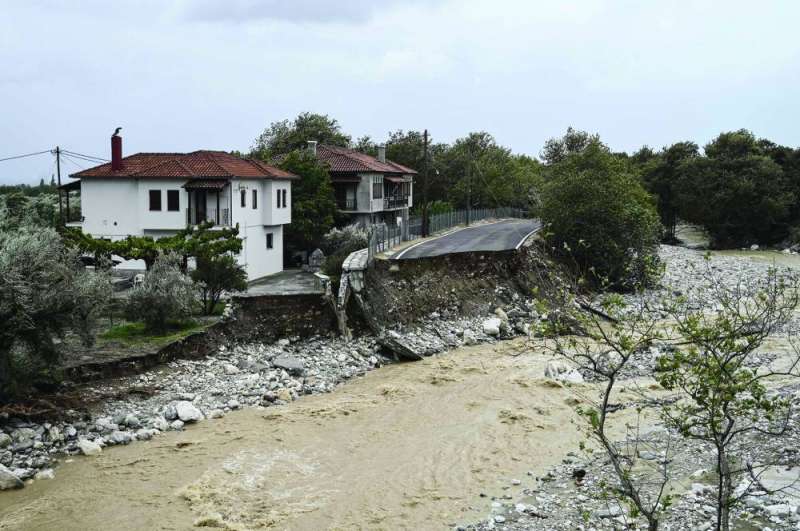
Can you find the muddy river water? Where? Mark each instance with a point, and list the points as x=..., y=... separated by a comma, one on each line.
x=408, y=446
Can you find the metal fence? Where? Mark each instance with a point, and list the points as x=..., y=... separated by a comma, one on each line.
x=384, y=237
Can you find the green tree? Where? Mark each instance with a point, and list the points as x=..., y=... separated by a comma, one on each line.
x=573, y=142
x=739, y=194
x=284, y=136
x=42, y=294
x=313, y=202
x=165, y=295
x=215, y=275
x=600, y=217
x=660, y=174
x=713, y=366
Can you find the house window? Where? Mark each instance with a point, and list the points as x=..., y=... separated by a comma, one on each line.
x=278, y=197
x=255, y=199
x=283, y=194
x=377, y=187
x=244, y=198
x=269, y=240
x=155, y=200
x=173, y=200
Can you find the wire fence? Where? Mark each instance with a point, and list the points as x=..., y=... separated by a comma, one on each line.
x=385, y=237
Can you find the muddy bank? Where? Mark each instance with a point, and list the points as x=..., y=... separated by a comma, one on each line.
x=406, y=293
x=408, y=446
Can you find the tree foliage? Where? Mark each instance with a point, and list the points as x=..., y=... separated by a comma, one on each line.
x=313, y=202
x=44, y=291
x=737, y=192
x=284, y=136
x=165, y=295
x=216, y=274
x=599, y=216
x=192, y=242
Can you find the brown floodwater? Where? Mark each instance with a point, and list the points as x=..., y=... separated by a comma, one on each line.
x=408, y=446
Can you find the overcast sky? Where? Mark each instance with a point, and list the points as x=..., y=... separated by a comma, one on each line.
x=182, y=75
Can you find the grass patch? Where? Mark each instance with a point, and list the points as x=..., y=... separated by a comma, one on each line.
x=137, y=334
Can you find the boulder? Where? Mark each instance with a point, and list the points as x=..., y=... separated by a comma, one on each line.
x=47, y=473
x=176, y=425
x=8, y=480
x=491, y=326
x=120, y=437
x=290, y=364
x=187, y=412
x=5, y=440
x=88, y=447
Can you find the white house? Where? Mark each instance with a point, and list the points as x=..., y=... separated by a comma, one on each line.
x=369, y=189
x=157, y=194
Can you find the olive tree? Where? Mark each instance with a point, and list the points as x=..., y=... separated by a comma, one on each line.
x=165, y=294
x=44, y=291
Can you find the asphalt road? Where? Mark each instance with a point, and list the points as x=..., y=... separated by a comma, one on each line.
x=500, y=236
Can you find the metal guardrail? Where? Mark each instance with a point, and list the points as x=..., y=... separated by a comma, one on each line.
x=384, y=237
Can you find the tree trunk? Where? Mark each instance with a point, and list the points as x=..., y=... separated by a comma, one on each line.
x=723, y=489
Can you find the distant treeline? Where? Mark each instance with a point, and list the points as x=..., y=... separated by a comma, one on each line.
x=740, y=188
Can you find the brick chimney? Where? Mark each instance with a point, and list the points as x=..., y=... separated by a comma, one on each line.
x=312, y=147
x=382, y=153
x=116, y=151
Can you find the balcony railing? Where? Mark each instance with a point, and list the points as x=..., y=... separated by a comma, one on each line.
x=347, y=204
x=395, y=202
x=219, y=217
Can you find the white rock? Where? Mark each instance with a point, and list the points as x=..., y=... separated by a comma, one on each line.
x=88, y=447
x=491, y=326
x=780, y=509
x=160, y=423
x=47, y=473
x=754, y=247
x=230, y=368
x=5, y=440
x=216, y=414
x=187, y=412
x=8, y=480
x=176, y=425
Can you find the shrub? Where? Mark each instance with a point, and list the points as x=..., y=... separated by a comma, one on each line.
x=92, y=297
x=215, y=275
x=338, y=244
x=166, y=294
x=598, y=215
x=41, y=295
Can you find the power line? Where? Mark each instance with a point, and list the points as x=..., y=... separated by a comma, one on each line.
x=90, y=158
x=27, y=155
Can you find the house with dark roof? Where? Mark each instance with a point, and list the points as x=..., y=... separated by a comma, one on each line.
x=369, y=189
x=157, y=194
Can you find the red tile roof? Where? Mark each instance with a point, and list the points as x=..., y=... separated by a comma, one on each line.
x=197, y=164
x=344, y=160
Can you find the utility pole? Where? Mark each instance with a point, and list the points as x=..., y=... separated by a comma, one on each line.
x=469, y=182
x=425, y=177
x=58, y=174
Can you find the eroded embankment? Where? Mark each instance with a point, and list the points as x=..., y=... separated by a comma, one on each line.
x=408, y=292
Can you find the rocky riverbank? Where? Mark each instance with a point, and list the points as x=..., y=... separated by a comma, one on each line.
x=182, y=392
x=570, y=496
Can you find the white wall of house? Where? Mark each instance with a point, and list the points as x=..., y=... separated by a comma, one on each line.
x=110, y=208
x=274, y=213
x=257, y=259
x=164, y=218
